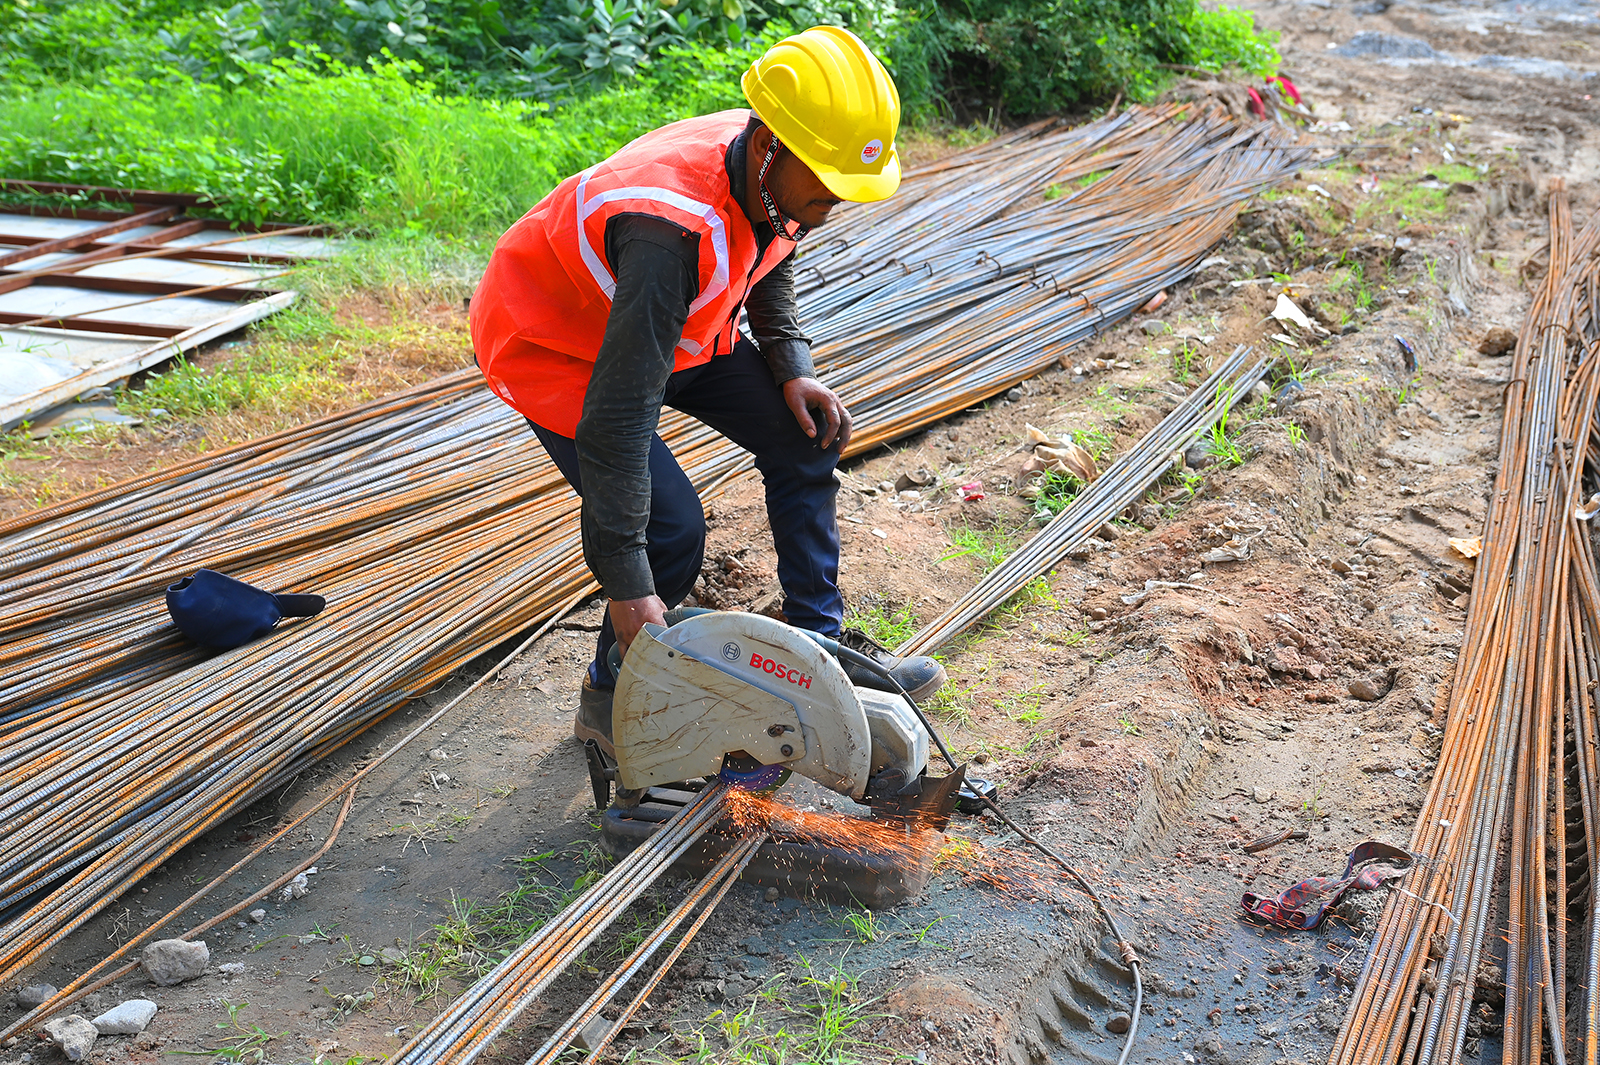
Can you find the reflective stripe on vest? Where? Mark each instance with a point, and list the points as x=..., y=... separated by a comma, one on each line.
x=539, y=314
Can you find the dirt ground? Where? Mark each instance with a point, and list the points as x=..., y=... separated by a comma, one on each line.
x=1150, y=731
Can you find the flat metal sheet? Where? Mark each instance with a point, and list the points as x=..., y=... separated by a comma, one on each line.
x=41, y=367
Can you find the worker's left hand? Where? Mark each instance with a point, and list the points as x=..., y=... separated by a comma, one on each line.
x=806, y=393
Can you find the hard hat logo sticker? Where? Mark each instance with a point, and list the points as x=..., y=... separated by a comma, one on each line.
x=870, y=151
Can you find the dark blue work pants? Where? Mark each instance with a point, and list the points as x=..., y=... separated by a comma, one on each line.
x=735, y=395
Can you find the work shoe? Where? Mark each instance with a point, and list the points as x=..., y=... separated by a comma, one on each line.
x=918, y=675
x=593, y=719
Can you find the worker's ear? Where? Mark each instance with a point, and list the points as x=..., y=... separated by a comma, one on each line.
x=760, y=140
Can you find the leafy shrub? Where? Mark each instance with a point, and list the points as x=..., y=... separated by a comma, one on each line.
x=377, y=146
x=456, y=116
x=1019, y=58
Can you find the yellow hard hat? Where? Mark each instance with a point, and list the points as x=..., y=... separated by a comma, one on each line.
x=828, y=99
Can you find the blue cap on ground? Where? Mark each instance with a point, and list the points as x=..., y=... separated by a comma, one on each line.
x=219, y=611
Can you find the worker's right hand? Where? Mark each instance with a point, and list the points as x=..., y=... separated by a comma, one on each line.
x=628, y=616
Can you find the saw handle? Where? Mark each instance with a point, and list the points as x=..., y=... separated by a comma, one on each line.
x=675, y=615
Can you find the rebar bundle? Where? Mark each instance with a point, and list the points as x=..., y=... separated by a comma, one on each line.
x=437, y=528
x=1123, y=483
x=1519, y=755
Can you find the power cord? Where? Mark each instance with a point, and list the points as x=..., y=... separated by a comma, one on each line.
x=1130, y=957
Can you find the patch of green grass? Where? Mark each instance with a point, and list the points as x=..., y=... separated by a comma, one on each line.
x=1297, y=435
x=1183, y=362
x=890, y=625
x=822, y=1021
x=986, y=547
x=474, y=937
x=1024, y=707
x=863, y=924
x=1056, y=493
x=1036, y=592
x=1220, y=439
x=244, y=1045
x=1403, y=392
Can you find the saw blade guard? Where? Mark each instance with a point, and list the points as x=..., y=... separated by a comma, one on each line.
x=722, y=682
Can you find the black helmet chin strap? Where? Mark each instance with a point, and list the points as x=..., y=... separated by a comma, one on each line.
x=776, y=218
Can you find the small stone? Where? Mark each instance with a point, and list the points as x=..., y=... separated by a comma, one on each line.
x=1340, y=566
x=589, y=1036
x=232, y=968
x=1087, y=742
x=439, y=754
x=172, y=961
x=1198, y=458
x=757, y=946
x=885, y=487
x=1363, y=689
x=914, y=479
x=129, y=1018
x=257, y=916
x=1108, y=531
x=771, y=895
x=392, y=954
x=34, y=995
x=1118, y=1024
x=953, y=436
x=910, y=495
x=1497, y=341
x=1098, y=613
x=1262, y=794
x=1153, y=327
x=75, y=1035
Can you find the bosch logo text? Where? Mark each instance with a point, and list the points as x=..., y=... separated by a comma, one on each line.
x=778, y=669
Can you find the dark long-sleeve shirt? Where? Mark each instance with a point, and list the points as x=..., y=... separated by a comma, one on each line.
x=656, y=264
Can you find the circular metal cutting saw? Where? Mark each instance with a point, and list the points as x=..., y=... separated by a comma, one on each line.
x=745, y=696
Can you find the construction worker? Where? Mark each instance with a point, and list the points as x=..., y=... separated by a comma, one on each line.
x=621, y=292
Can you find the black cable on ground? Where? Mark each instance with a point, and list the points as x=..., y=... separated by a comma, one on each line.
x=1130, y=957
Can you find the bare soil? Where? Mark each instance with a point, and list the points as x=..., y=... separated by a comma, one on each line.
x=1149, y=731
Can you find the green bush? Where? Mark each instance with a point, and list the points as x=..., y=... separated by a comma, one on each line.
x=1012, y=59
x=376, y=146
x=455, y=116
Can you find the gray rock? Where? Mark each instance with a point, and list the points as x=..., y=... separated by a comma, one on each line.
x=172, y=961
x=74, y=1034
x=130, y=1018
x=757, y=946
x=1363, y=689
x=1119, y=1023
x=1378, y=45
x=257, y=916
x=1153, y=327
x=771, y=894
x=232, y=968
x=392, y=954
x=1262, y=794
x=1198, y=458
x=1498, y=341
x=589, y=1036
x=34, y=994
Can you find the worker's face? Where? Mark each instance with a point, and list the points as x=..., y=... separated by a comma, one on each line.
x=798, y=192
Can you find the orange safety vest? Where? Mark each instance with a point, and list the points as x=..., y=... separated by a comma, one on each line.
x=540, y=311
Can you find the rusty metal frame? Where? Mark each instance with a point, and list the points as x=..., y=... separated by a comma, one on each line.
x=94, y=246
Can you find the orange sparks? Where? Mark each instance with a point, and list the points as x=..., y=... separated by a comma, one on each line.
x=1004, y=868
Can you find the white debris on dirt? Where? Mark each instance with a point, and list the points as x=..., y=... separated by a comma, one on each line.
x=128, y=1018
x=74, y=1034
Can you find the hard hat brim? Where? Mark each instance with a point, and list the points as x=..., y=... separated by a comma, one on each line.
x=859, y=188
